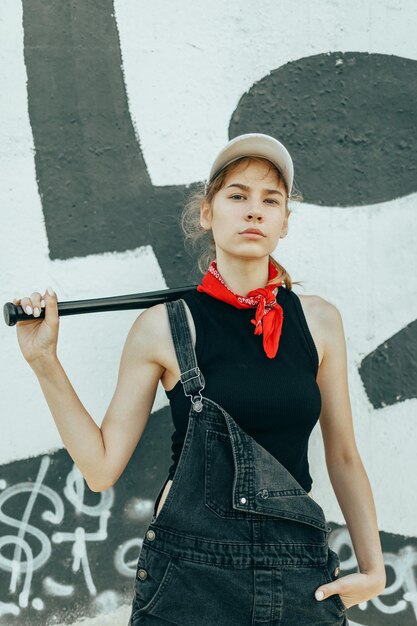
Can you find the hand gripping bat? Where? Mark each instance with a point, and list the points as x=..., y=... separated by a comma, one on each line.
x=14, y=313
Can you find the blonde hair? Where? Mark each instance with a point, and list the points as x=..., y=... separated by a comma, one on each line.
x=203, y=239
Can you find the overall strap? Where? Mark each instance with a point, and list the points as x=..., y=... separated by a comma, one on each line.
x=191, y=377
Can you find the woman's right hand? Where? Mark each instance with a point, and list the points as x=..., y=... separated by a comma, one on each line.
x=38, y=338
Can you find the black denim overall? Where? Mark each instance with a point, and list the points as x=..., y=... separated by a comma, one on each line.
x=238, y=541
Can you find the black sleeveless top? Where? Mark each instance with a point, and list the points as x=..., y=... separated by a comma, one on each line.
x=276, y=401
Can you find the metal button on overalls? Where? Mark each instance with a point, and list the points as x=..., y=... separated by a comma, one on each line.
x=142, y=574
x=240, y=542
x=337, y=571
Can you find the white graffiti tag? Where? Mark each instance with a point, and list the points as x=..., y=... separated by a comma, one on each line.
x=31, y=563
x=24, y=561
x=74, y=491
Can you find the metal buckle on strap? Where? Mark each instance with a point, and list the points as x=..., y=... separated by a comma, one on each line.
x=197, y=402
x=193, y=369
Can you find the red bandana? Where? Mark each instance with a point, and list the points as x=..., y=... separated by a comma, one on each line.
x=269, y=314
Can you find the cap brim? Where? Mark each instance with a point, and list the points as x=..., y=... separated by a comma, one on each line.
x=257, y=145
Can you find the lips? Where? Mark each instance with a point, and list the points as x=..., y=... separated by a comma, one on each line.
x=253, y=230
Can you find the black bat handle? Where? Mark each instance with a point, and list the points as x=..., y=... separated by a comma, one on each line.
x=14, y=312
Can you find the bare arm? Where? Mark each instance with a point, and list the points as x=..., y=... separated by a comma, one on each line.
x=102, y=453
x=80, y=434
x=346, y=470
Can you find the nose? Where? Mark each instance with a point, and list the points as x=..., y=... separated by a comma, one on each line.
x=255, y=211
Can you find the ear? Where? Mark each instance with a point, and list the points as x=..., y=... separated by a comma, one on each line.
x=205, y=215
x=284, y=230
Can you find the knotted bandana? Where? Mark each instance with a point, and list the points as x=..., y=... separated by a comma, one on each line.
x=269, y=314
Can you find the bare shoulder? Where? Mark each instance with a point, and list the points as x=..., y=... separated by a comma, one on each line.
x=323, y=310
x=323, y=319
x=152, y=330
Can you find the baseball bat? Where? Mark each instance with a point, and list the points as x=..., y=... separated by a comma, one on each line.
x=14, y=313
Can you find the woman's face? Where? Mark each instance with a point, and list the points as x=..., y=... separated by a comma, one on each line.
x=251, y=197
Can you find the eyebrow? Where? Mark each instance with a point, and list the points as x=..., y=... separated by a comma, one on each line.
x=246, y=188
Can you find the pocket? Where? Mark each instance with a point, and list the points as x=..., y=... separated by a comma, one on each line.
x=199, y=593
x=331, y=572
x=153, y=575
x=219, y=475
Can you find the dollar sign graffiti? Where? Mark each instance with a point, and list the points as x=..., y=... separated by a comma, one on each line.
x=16, y=565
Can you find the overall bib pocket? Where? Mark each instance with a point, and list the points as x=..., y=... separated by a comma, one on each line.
x=219, y=475
x=153, y=576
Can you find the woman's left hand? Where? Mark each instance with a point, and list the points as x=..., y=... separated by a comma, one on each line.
x=353, y=588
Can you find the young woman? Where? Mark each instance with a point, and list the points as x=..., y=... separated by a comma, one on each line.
x=249, y=367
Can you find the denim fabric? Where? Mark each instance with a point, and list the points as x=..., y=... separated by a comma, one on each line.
x=238, y=541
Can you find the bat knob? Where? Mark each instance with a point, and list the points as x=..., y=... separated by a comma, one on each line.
x=10, y=313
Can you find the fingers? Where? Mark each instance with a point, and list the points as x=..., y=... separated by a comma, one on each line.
x=32, y=305
x=327, y=591
x=51, y=309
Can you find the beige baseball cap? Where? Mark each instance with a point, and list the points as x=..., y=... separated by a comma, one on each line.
x=255, y=144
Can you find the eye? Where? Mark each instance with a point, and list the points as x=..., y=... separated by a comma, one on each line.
x=239, y=195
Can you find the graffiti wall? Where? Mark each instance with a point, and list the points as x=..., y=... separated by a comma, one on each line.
x=111, y=112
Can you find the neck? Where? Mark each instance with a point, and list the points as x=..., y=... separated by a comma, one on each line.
x=243, y=275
